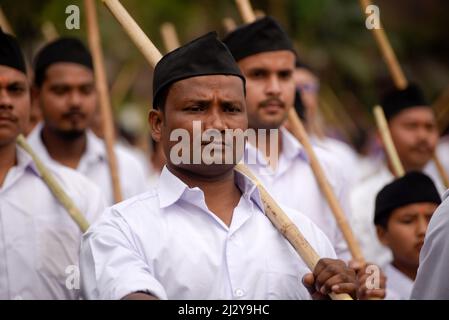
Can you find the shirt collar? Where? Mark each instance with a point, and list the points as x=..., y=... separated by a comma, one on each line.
x=291, y=148
x=171, y=189
x=95, y=148
x=25, y=162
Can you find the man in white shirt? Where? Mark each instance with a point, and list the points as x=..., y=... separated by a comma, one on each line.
x=65, y=90
x=266, y=57
x=402, y=213
x=432, y=281
x=202, y=234
x=39, y=243
x=413, y=129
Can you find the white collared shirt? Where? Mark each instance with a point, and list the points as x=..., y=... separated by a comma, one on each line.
x=293, y=184
x=442, y=151
x=399, y=286
x=168, y=243
x=39, y=242
x=432, y=280
x=94, y=165
x=363, y=198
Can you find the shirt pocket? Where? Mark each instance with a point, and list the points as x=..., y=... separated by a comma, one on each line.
x=284, y=280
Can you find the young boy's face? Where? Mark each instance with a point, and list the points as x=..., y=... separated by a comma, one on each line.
x=405, y=232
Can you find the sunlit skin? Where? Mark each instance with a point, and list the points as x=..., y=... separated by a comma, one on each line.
x=415, y=136
x=404, y=235
x=14, y=114
x=68, y=100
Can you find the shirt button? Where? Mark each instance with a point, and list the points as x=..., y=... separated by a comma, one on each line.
x=239, y=292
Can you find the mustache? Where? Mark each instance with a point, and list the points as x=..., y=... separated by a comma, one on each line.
x=8, y=116
x=266, y=102
x=71, y=113
x=421, y=145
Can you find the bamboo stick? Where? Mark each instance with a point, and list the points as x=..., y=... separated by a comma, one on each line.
x=169, y=36
x=300, y=134
x=229, y=24
x=101, y=83
x=286, y=227
x=49, y=31
x=4, y=23
x=307, y=253
x=399, y=80
x=387, y=52
x=382, y=125
x=55, y=187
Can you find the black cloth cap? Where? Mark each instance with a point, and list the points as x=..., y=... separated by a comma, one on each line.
x=10, y=53
x=413, y=187
x=263, y=35
x=203, y=56
x=395, y=101
x=61, y=50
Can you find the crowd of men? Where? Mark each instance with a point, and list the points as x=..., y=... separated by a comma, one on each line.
x=201, y=230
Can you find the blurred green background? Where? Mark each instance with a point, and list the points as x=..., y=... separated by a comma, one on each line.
x=330, y=36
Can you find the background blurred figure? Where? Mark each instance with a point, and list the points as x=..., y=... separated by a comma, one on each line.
x=402, y=214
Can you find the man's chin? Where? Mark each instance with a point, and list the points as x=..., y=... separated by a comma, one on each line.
x=71, y=134
x=207, y=170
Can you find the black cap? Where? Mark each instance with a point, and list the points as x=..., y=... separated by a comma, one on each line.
x=413, y=187
x=203, y=56
x=396, y=100
x=10, y=53
x=61, y=50
x=263, y=35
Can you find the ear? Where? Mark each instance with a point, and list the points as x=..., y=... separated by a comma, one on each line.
x=35, y=92
x=155, y=120
x=382, y=234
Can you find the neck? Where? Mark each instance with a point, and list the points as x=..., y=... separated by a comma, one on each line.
x=65, y=151
x=8, y=159
x=408, y=270
x=220, y=192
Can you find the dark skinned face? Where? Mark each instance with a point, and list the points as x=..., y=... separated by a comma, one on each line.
x=270, y=87
x=68, y=98
x=415, y=135
x=405, y=232
x=218, y=102
x=14, y=104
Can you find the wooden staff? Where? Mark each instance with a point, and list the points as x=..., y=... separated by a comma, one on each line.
x=169, y=36
x=392, y=153
x=387, y=52
x=441, y=108
x=399, y=79
x=4, y=23
x=49, y=31
x=300, y=134
x=286, y=227
x=229, y=24
x=101, y=83
x=279, y=219
x=55, y=187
